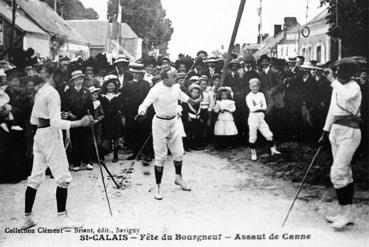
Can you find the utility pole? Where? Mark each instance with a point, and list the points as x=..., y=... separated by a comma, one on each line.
x=12, y=32
x=260, y=26
x=55, y=5
x=233, y=38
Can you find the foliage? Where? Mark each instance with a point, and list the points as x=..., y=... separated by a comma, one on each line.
x=353, y=25
x=148, y=20
x=73, y=10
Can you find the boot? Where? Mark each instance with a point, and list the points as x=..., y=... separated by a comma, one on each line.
x=28, y=222
x=64, y=222
x=344, y=219
x=254, y=156
x=158, y=195
x=274, y=151
x=115, y=156
x=180, y=182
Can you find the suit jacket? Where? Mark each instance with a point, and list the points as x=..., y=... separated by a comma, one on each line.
x=272, y=87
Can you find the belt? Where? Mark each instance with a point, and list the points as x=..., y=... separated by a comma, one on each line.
x=166, y=118
x=43, y=123
x=258, y=111
x=348, y=121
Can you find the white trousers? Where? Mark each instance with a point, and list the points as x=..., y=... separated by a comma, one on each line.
x=344, y=141
x=257, y=122
x=167, y=134
x=49, y=151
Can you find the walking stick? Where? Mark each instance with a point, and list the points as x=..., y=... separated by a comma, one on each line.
x=131, y=165
x=302, y=184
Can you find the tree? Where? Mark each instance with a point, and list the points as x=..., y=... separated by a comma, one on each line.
x=73, y=10
x=353, y=25
x=147, y=18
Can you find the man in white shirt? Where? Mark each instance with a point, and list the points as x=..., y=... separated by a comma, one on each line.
x=48, y=149
x=343, y=126
x=166, y=129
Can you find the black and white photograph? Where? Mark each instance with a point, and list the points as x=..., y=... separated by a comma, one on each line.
x=184, y=123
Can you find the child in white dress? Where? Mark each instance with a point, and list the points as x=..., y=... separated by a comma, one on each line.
x=225, y=129
x=256, y=103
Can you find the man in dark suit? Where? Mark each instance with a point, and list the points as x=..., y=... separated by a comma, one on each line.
x=272, y=87
x=77, y=103
x=137, y=131
x=121, y=70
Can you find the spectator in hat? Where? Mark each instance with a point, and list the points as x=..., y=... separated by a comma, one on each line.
x=90, y=78
x=121, y=65
x=111, y=124
x=77, y=104
x=211, y=62
x=203, y=55
x=272, y=88
x=137, y=131
x=206, y=106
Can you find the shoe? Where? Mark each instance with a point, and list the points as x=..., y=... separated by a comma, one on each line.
x=89, y=167
x=76, y=168
x=254, y=156
x=274, y=151
x=64, y=222
x=343, y=219
x=158, y=195
x=28, y=222
x=179, y=181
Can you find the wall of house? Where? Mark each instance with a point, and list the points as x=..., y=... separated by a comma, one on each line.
x=5, y=35
x=40, y=44
x=285, y=51
x=316, y=47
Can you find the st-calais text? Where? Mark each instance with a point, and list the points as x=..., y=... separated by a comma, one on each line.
x=104, y=237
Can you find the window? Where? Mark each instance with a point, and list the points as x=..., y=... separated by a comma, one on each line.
x=304, y=52
x=319, y=54
x=1, y=32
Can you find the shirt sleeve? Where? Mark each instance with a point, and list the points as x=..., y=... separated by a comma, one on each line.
x=211, y=101
x=264, y=106
x=345, y=93
x=148, y=101
x=183, y=97
x=250, y=104
x=53, y=106
x=329, y=119
x=232, y=107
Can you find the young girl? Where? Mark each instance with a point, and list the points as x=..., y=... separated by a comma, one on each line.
x=257, y=105
x=225, y=128
x=111, y=124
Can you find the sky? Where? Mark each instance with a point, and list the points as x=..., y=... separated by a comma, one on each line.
x=208, y=24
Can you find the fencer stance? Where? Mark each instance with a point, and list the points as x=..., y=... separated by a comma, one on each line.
x=48, y=148
x=166, y=129
x=342, y=125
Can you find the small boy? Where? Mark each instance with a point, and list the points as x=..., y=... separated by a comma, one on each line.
x=256, y=102
x=206, y=106
x=192, y=119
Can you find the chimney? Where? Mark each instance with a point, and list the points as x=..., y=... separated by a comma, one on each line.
x=277, y=29
x=290, y=22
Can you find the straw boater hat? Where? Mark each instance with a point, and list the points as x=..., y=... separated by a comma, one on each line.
x=121, y=59
x=111, y=78
x=203, y=78
x=235, y=61
x=136, y=67
x=291, y=60
x=194, y=78
x=93, y=89
x=194, y=86
x=212, y=60
x=309, y=66
x=76, y=74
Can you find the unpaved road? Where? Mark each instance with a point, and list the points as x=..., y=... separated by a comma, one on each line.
x=230, y=195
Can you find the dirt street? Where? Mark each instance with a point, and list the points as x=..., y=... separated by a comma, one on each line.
x=231, y=196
